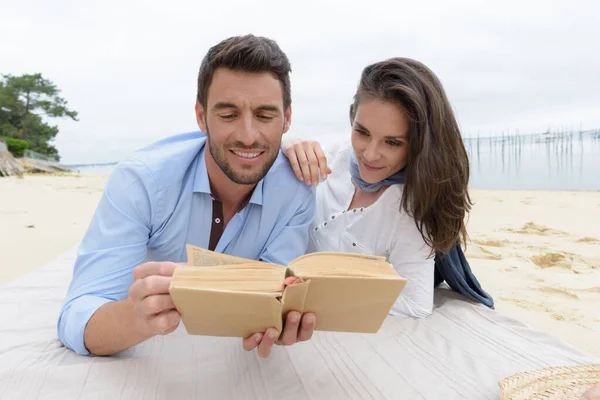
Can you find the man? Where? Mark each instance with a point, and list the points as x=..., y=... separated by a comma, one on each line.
x=231, y=191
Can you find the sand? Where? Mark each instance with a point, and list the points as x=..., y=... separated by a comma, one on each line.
x=41, y=216
x=537, y=253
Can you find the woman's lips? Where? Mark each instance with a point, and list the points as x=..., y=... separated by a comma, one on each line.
x=371, y=167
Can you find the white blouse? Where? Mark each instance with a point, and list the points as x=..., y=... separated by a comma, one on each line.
x=380, y=229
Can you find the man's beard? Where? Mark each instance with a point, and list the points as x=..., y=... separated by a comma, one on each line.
x=240, y=178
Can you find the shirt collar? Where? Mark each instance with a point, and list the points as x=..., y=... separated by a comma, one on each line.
x=202, y=184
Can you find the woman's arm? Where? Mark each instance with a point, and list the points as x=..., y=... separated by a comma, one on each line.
x=411, y=258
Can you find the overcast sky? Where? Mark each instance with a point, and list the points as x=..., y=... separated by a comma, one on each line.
x=130, y=67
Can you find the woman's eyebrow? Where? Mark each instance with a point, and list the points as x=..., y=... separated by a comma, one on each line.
x=396, y=137
x=362, y=128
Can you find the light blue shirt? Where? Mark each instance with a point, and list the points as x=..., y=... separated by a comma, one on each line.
x=158, y=200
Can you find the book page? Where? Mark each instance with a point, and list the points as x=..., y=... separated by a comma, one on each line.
x=264, y=279
x=342, y=264
x=199, y=257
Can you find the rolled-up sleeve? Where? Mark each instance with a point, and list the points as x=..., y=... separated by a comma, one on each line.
x=113, y=245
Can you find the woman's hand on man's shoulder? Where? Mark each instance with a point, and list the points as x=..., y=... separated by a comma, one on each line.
x=307, y=159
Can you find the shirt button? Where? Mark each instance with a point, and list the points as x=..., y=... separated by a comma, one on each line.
x=218, y=220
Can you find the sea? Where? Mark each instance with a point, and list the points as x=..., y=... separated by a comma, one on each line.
x=543, y=161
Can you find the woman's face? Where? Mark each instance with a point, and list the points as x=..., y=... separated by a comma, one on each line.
x=379, y=139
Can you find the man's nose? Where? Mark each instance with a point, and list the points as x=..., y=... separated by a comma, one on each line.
x=248, y=132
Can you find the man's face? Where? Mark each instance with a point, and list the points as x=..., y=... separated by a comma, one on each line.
x=244, y=120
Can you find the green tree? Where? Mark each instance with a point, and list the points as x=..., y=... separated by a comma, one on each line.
x=9, y=114
x=24, y=100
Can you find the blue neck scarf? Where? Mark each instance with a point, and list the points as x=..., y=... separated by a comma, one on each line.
x=452, y=267
x=398, y=177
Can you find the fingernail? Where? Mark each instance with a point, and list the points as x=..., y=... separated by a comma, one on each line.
x=273, y=335
x=257, y=337
x=309, y=182
x=323, y=176
x=310, y=319
x=294, y=317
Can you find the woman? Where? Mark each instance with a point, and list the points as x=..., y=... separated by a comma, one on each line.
x=400, y=187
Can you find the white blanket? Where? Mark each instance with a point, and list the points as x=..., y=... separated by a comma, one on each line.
x=461, y=352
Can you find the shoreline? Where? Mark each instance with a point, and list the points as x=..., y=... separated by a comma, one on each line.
x=537, y=252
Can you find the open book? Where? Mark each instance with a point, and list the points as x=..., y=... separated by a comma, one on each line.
x=223, y=295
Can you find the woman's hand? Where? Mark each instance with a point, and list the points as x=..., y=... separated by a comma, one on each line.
x=307, y=159
x=593, y=393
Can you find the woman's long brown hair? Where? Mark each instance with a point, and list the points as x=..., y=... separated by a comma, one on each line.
x=437, y=172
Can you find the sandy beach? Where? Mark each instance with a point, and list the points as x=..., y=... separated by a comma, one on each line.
x=537, y=253
x=43, y=216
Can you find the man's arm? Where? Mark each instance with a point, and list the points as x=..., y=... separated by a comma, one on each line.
x=97, y=311
x=148, y=311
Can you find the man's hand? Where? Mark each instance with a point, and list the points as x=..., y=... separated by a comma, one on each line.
x=146, y=312
x=152, y=304
x=297, y=328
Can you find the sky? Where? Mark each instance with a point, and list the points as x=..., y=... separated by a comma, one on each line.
x=130, y=67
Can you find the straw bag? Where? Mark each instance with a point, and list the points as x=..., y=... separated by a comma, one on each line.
x=552, y=383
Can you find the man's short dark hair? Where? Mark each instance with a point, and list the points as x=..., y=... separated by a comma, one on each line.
x=247, y=53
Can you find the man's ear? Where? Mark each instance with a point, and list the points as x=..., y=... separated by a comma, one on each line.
x=287, y=119
x=201, y=117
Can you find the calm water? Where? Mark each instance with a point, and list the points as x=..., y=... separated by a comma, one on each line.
x=100, y=169
x=554, y=161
